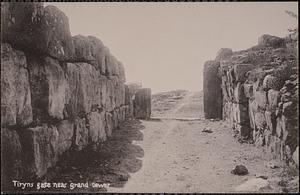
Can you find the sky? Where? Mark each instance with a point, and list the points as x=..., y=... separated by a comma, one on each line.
x=164, y=45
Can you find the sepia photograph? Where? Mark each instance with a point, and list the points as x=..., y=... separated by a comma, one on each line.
x=149, y=97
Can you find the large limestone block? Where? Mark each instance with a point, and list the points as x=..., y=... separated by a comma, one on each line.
x=30, y=26
x=110, y=103
x=240, y=71
x=120, y=94
x=271, y=41
x=84, y=89
x=241, y=114
x=48, y=88
x=142, y=103
x=109, y=124
x=15, y=90
x=11, y=157
x=239, y=95
x=271, y=121
x=260, y=97
x=248, y=90
x=111, y=65
x=212, y=90
x=96, y=122
x=223, y=54
x=81, y=132
x=260, y=120
x=121, y=72
x=65, y=130
x=40, y=146
x=91, y=50
x=273, y=99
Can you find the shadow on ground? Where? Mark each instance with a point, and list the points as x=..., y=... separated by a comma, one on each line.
x=112, y=163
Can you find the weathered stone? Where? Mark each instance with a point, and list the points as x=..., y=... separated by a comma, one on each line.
x=223, y=53
x=253, y=108
x=296, y=156
x=109, y=124
x=111, y=65
x=272, y=82
x=212, y=90
x=15, y=90
x=240, y=71
x=81, y=134
x=261, y=99
x=273, y=99
x=84, y=89
x=65, y=130
x=48, y=88
x=288, y=108
x=240, y=170
x=271, y=120
x=142, y=103
x=260, y=120
x=240, y=113
x=40, y=145
x=271, y=41
x=248, y=90
x=110, y=103
x=239, y=95
x=121, y=72
x=30, y=26
x=96, y=122
x=91, y=50
x=253, y=185
x=11, y=161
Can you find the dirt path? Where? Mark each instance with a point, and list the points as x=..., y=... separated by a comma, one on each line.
x=179, y=157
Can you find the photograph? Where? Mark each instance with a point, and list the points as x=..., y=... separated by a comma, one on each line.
x=149, y=97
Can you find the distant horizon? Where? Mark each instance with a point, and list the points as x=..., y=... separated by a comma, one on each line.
x=163, y=45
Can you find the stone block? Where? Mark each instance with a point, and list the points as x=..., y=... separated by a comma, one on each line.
x=48, y=88
x=11, y=157
x=15, y=89
x=212, y=90
x=30, y=26
x=142, y=104
x=240, y=71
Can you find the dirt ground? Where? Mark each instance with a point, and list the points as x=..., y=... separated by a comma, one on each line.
x=179, y=157
x=172, y=154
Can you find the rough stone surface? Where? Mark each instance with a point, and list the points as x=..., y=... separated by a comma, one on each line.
x=91, y=50
x=267, y=74
x=65, y=130
x=223, y=53
x=15, y=90
x=240, y=170
x=11, y=154
x=212, y=90
x=83, y=89
x=271, y=41
x=40, y=146
x=96, y=123
x=48, y=88
x=142, y=103
x=30, y=26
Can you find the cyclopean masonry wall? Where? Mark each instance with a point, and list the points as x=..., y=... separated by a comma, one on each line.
x=58, y=92
x=260, y=94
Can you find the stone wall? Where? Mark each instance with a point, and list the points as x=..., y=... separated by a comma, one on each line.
x=58, y=92
x=260, y=95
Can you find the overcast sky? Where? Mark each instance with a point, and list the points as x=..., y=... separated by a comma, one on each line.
x=164, y=45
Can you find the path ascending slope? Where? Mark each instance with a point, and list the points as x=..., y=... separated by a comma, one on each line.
x=179, y=157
